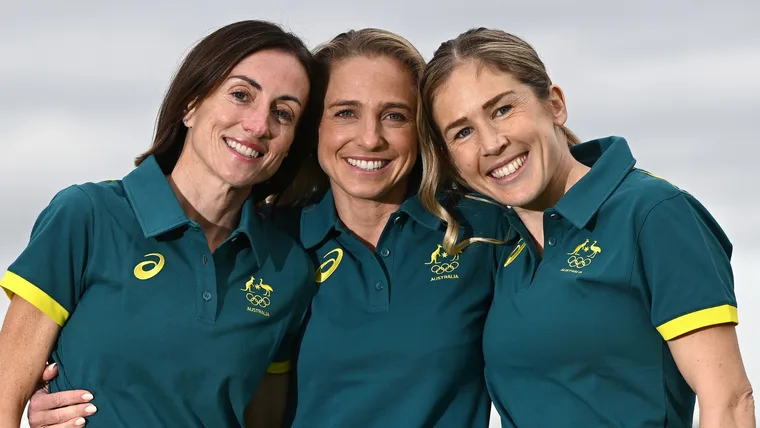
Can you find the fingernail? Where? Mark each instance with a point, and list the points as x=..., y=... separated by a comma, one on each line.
x=51, y=367
x=90, y=409
x=79, y=422
x=87, y=397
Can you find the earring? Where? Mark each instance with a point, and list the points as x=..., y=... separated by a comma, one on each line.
x=184, y=121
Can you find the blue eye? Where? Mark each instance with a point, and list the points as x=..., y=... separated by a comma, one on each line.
x=345, y=114
x=463, y=133
x=503, y=110
x=396, y=117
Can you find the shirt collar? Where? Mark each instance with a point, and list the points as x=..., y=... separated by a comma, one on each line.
x=318, y=220
x=158, y=211
x=610, y=160
x=153, y=201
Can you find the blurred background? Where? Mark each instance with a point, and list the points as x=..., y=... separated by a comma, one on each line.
x=81, y=82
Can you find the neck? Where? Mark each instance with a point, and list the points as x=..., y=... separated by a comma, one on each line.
x=367, y=218
x=206, y=199
x=569, y=171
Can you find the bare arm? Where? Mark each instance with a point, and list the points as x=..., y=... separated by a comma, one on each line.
x=26, y=340
x=64, y=409
x=710, y=361
x=267, y=407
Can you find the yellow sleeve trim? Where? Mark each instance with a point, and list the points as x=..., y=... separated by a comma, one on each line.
x=279, y=368
x=706, y=317
x=14, y=284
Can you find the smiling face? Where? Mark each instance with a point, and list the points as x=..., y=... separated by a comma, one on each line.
x=504, y=140
x=368, y=135
x=244, y=129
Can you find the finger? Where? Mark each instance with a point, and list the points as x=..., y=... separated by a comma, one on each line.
x=51, y=371
x=76, y=423
x=71, y=416
x=44, y=401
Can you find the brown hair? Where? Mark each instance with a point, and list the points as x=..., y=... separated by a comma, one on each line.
x=204, y=70
x=311, y=183
x=492, y=48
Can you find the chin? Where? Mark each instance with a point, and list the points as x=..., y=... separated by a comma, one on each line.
x=367, y=192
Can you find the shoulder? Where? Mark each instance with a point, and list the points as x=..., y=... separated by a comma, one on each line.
x=660, y=205
x=88, y=197
x=286, y=220
x=641, y=191
x=476, y=213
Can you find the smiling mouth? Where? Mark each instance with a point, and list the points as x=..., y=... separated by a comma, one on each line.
x=509, y=170
x=242, y=149
x=368, y=165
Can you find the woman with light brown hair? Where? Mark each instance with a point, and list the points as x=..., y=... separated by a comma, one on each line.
x=615, y=304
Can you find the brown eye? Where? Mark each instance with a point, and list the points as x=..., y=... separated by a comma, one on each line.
x=283, y=115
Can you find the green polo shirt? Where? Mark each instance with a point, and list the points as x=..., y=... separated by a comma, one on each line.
x=578, y=337
x=162, y=331
x=394, y=336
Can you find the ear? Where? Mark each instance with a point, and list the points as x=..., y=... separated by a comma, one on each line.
x=557, y=105
x=188, y=118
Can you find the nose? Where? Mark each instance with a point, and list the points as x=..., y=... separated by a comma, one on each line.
x=371, y=137
x=257, y=121
x=493, y=142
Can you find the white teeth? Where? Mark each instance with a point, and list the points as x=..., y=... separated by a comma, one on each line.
x=368, y=165
x=243, y=150
x=509, y=168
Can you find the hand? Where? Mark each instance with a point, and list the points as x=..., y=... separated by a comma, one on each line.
x=61, y=409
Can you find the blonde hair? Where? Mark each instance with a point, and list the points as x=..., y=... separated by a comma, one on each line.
x=492, y=48
x=311, y=183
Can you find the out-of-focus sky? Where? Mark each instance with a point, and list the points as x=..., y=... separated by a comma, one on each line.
x=81, y=82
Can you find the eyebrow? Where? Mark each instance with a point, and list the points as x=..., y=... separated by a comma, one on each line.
x=355, y=103
x=256, y=85
x=486, y=106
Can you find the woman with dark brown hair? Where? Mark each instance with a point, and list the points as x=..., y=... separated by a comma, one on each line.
x=165, y=293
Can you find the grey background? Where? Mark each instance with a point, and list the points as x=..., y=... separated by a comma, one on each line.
x=81, y=82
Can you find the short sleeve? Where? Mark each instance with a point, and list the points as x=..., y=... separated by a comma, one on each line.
x=686, y=261
x=49, y=272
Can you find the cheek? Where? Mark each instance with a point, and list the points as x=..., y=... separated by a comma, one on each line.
x=465, y=159
x=404, y=142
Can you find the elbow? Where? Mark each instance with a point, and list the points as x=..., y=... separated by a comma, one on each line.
x=744, y=404
x=734, y=408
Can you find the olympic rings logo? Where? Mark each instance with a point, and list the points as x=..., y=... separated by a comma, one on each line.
x=578, y=262
x=257, y=300
x=444, y=268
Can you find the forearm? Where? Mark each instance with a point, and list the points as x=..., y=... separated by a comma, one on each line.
x=736, y=412
x=11, y=410
x=26, y=339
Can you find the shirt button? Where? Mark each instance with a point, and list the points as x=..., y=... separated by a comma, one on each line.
x=385, y=252
x=206, y=296
x=205, y=260
x=379, y=286
x=554, y=216
x=552, y=241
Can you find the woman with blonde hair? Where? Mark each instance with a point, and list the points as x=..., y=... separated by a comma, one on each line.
x=615, y=305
